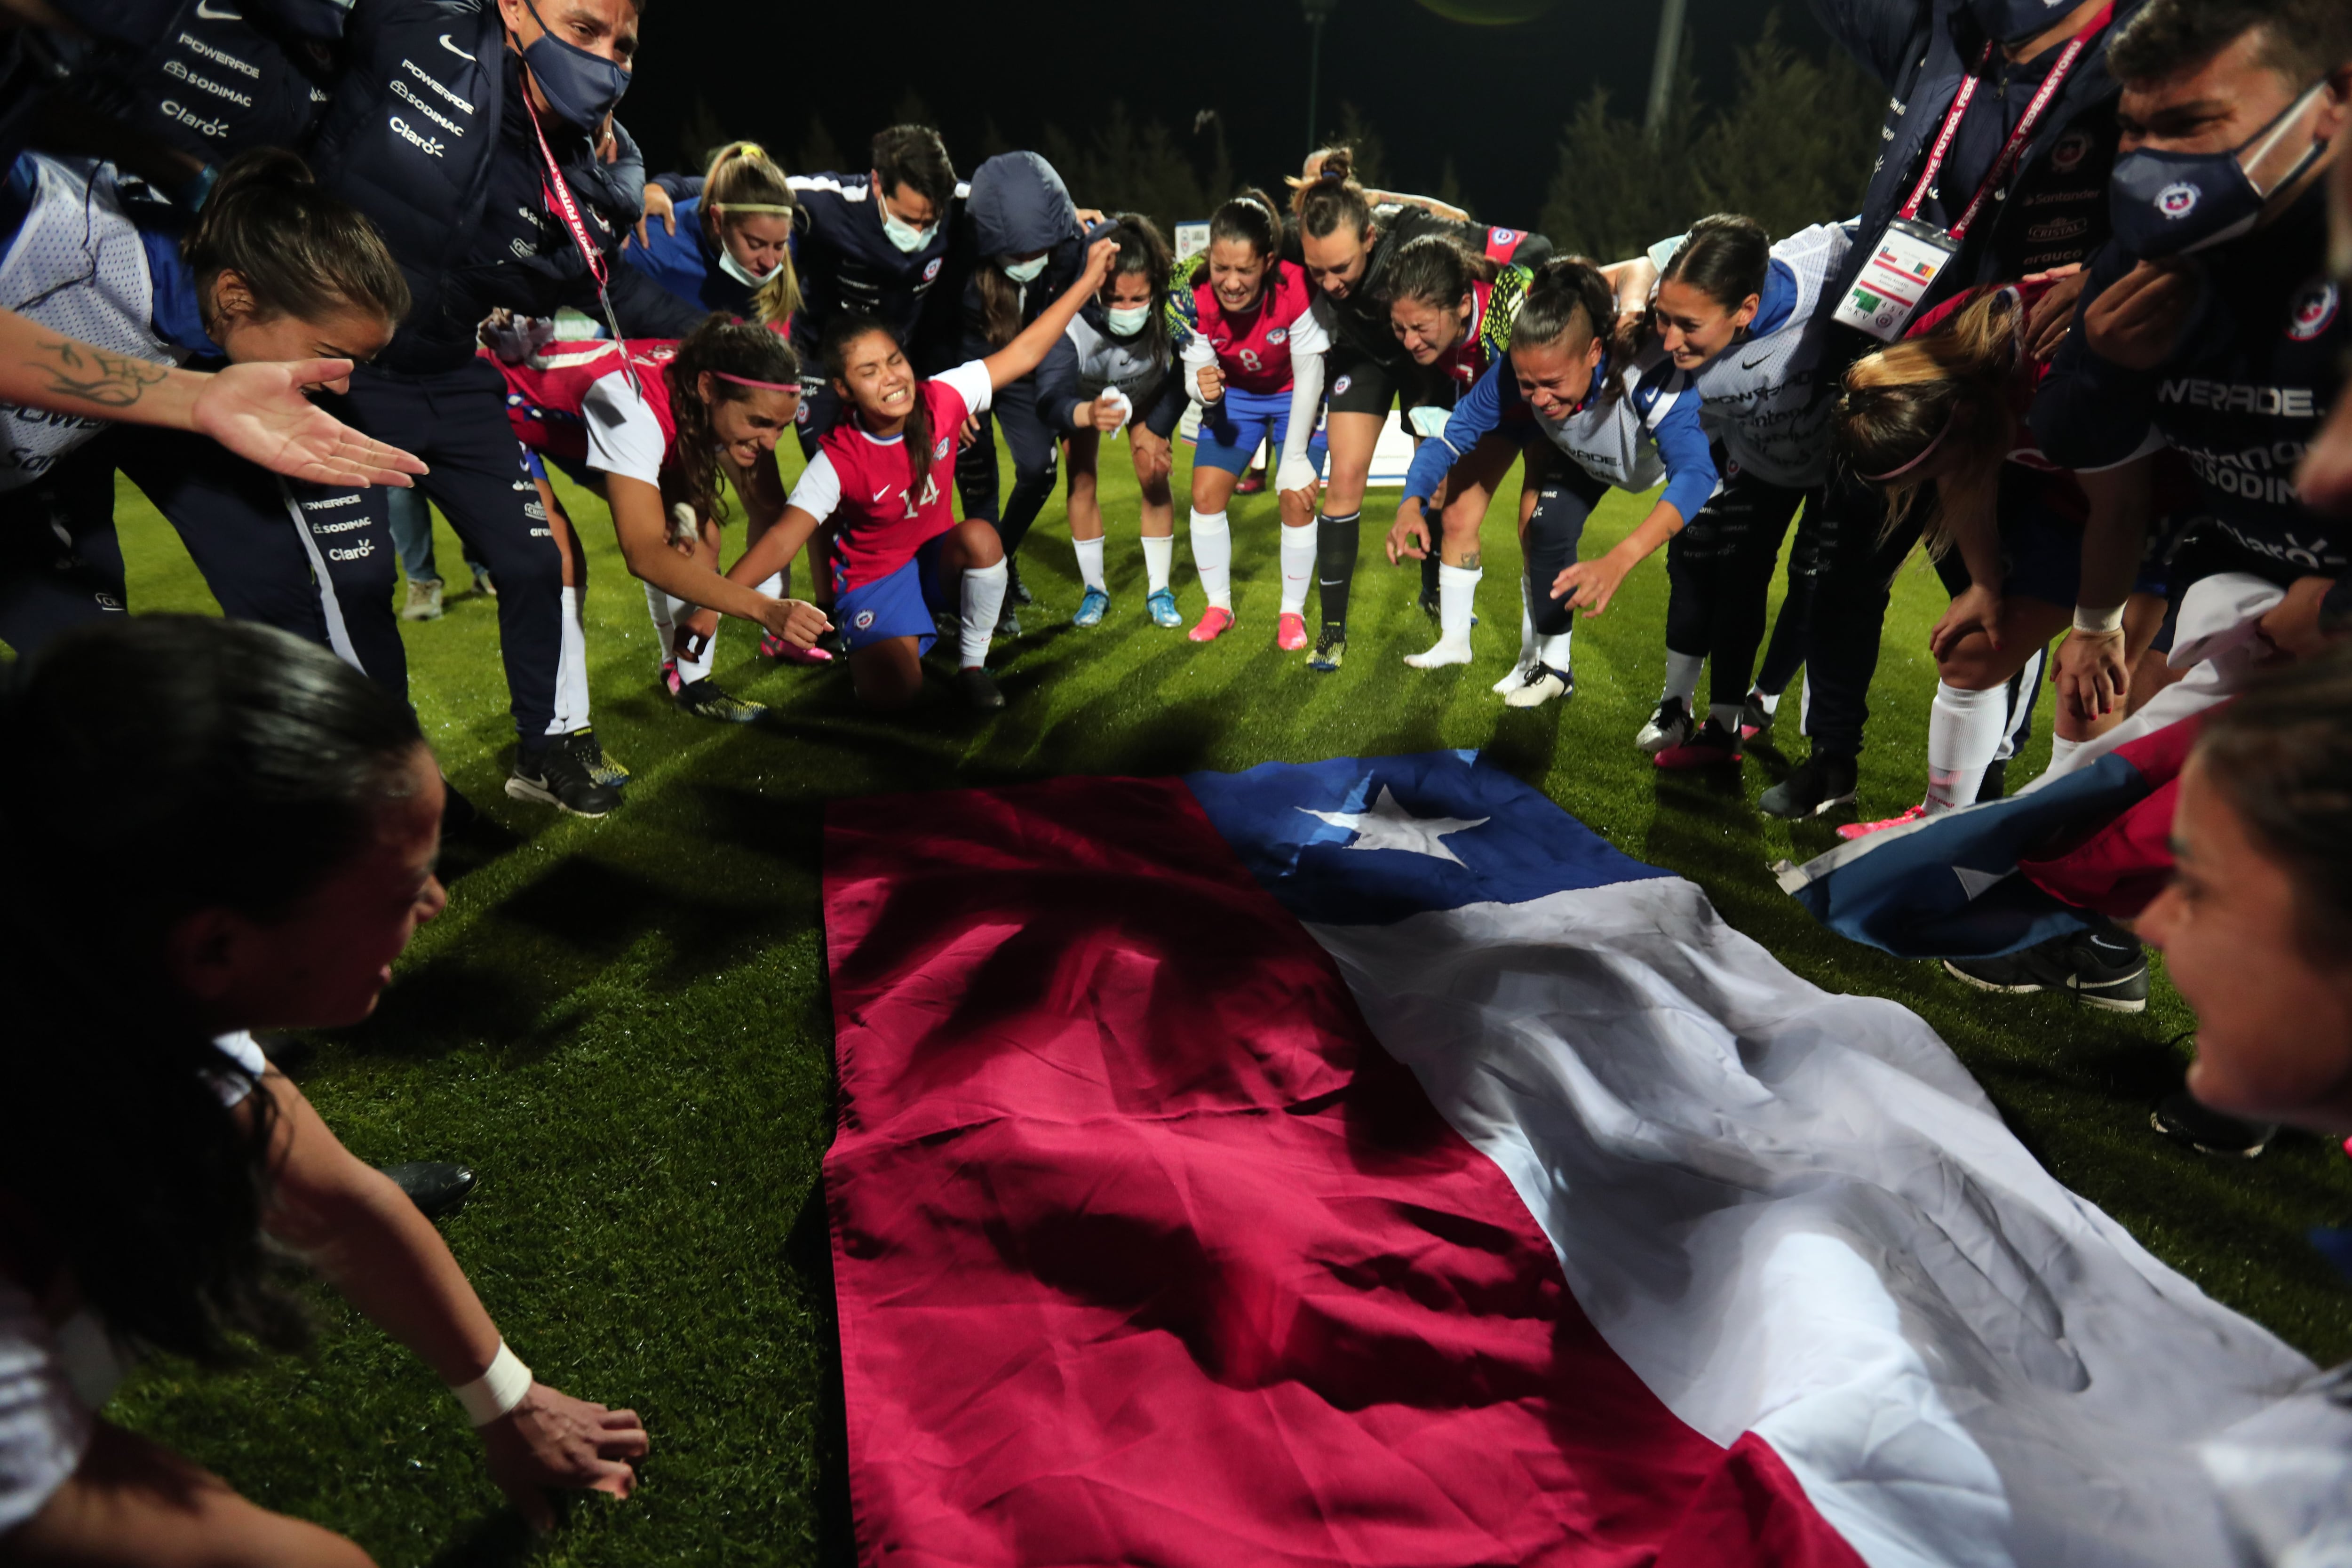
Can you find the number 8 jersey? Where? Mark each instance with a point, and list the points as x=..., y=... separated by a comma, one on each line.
x=1253, y=354
x=864, y=485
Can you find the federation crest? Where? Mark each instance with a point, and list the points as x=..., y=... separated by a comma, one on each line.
x=939, y=452
x=1503, y=237
x=932, y=270
x=1279, y=335
x=2176, y=201
x=1342, y=385
x=2071, y=149
x=862, y=619
x=2314, y=312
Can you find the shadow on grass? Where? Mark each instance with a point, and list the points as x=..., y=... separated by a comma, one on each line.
x=808, y=1253
x=494, y=1541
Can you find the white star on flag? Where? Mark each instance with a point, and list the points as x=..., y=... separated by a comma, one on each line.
x=1387, y=826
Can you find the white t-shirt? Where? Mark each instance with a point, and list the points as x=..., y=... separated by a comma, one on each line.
x=818, y=489
x=45, y=1427
x=623, y=436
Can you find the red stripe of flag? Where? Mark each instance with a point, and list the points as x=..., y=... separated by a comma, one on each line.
x=1146, y=1252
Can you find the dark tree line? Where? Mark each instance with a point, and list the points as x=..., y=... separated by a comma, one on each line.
x=1793, y=147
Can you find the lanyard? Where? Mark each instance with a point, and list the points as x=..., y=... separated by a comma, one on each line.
x=2015, y=145
x=557, y=191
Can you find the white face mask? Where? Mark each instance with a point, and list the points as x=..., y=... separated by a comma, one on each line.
x=1126, y=320
x=737, y=271
x=1024, y=271
x=904, y=235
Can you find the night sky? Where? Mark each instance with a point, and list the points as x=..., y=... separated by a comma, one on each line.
x=1491, y=97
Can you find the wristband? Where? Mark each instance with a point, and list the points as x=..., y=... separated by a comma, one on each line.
x=497, y=1391
x=2098, y=622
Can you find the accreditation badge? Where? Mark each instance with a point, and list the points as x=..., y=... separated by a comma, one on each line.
x=1902, y=268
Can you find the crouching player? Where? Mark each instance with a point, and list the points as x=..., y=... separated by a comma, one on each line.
x=653, y=425
x=880, y=479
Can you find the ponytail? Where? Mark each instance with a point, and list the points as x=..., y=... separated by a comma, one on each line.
x=300, y=251
x=744, y=181
x=1569, y=302
x=848, y=329
x=720, y=347
x=1946, y=395
x=1333, y=197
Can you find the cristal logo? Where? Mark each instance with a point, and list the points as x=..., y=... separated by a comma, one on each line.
x=2176, y=201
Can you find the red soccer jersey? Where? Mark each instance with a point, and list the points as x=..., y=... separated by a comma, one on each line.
x=878, y=525
x=1254, y=353
x=544, y=397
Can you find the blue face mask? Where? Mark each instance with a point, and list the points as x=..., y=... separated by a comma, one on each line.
x=582, y=87
x=2170, y=204
x=2014, y=21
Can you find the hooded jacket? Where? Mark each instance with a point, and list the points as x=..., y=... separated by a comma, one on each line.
x=423, y=117
x=1018, y=205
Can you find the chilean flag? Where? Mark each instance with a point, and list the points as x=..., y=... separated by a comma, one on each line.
x=1364, y=1163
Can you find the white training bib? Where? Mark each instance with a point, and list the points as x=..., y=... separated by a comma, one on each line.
x=75, y=267
x=1609, y=437
x=1761, y=397
x=1106, y=361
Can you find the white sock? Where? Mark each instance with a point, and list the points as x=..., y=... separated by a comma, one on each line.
x=570, y=671
x=2027, y=687
x=1159, y=554
x=983, y=599
x=1768, y=701
x=1298, y=568
x=1726, y=714
x=1527, y=642
x=2061, y=752
x=778, y=585
x=1213, y=556
x=1551, y=650
x=1964, y=731
x=1805, y=705
x=1090, y=561
x=666, y=613
x=1682, y=676
x=1457, y=589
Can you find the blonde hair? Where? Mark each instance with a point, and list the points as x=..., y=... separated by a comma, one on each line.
x=744, y=180
x=1945, y=394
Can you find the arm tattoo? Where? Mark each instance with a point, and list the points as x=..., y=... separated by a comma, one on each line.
x=109, y=380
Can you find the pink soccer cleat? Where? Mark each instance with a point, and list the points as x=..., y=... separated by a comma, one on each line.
x=775, y=648
x=1853, y=830
x=1290, y=633
x=1214, y=624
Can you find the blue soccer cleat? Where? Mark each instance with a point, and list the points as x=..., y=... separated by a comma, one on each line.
x=1161, y=607
x=1091, y=606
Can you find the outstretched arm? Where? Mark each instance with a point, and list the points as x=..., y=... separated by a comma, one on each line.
x=1691, y=477
x=257, y=411
x=638, y=518
x=1027, y=352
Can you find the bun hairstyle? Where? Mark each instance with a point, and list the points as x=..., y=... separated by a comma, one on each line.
x=1946, y=392
x=1333, y=198
x=1569, y=302
x=720, y=346
x=1252, y=218
x=1438, y=271
x=161, y=765
x=1725, y=257
x=743, y=181
x=2282, y=756
x=834, y=350
x=300, y=252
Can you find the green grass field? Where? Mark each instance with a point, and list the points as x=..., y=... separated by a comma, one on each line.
x=623, y=1025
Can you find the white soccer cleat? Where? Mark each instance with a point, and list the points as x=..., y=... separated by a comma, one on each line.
x=1443, y=652
x=1514, y=677
x=1538, y=684
x=1669, y=727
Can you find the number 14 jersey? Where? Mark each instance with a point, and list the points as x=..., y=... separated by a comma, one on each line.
x=864, y=485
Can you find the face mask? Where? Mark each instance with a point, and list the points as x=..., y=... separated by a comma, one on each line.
x=582, y=87
x=1126, y=320
x=2014, y=21
x=1024, y=271
x=735, y=269
x=904, y=235
x=2170, y=204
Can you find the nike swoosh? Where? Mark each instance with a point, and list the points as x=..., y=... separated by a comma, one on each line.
x=2110, y=946
x=453, y=48
x=883, y=491
x=1752, y=364
x=204, y=9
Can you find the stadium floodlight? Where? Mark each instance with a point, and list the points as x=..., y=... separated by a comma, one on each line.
x=1317, y=13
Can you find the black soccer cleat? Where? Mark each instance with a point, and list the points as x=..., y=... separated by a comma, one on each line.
x=705, y=699
x=1330, y=650
x=434, y=1186
x=2103, y=967
x=2182, y=1119
x=601, y=768
x=979, y=689
x=555, y=775
x=1819, y=785
x=1015, y=591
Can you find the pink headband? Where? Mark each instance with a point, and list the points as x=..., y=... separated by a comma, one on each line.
x=1897, y=473
x=763, y=385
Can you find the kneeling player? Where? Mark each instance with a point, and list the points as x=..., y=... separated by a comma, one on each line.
x=900, y=558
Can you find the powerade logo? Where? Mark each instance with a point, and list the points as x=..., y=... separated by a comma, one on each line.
x=2176, y=201
x=2313, y=313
